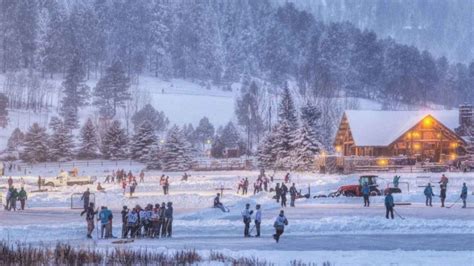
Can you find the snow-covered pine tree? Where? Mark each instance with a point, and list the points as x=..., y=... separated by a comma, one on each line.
x=286, y=108
x=112, y=90
x=16, y=140
x=89, y=141
x=176, y=153
x=266, y=155
x=306, y=146
x=36, y=145
x=283, y=147
x=158, y=119
x=143, y=142
x=204, y=131
x=114, y=142
x=61, y=144
x=55, y=123
x=76, y=92
x=3, y=110
x=154, y=157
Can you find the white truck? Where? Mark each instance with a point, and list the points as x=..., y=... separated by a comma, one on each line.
x=68, y=179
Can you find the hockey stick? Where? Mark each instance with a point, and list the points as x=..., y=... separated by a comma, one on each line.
x=401, y=217
x=251, y=229
x=453, y=203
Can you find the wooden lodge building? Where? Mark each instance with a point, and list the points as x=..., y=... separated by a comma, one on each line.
x=424, y=135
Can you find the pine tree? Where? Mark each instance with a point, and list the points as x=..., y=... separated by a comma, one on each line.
x=55, y=123
x=204, y=131
x=16, y=140
x=266, y=155
x=3, y=110
x=89, y=141
x=306, y=147
x=154, y=157
x=148, y=113
x=286, y=108
x=248, y=113
x=176, y=153
x=61, y=144
x=114, y=142
x=283, y=146
x=230, y=136
x=36, y=145
x=75, y=91
x=112, y=90
x=143, y=142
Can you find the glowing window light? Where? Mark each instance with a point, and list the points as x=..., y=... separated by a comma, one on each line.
x=453, y=156
x=428, y=121
x=453, y=145
x=416, y=146
x=338, y=148
x=382, y=162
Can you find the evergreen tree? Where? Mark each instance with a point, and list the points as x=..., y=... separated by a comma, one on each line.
x=76, y=93
x=286, y=108
x=143, y=142
x=189, y=134
x=89, y=141
x=266, y=155
x=148, y=113
x=306, y=146
x=112, y=90
x=154, y=157
x=55, y=123
x=114, y=142
x=16, y=139
x=176, y=153
x=61, y=145
x=204, y=131
x=36, y=145
x=248, y=113
x=3, y=110
x=230, y=136
x=283, y=146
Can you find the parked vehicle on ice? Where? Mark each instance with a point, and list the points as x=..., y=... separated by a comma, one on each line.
x=68, y=179
x=356, y=190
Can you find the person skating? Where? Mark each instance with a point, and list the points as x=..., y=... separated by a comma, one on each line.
x=39, y=183
x=464, y=194
x=85, y=199
x=167, y=185
x=142, y=176
x=366, y=194
x=442, y=194
x=258, y=219
x=124, y=213
x=241, y=186
x=429, y=195
x=247, y=219
x=284, y=191
x=155, y=221
x=218, y=203
x=169, y=219
x=396, y=181
x=105, y=216
x=389, y=204
x=185, y=177
x=13, y=198
x=163, y=219
x=287, y=178
x=246, y=186
x=277, y=192
x=90, y=214
x=293, y=194
x=9, y=194
x=22, y=196
x=280, y=223
x=132, y=223
x=133, y=186
x=10, y=181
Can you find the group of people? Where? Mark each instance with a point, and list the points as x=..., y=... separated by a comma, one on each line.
x=14, y=195
x=443, y=187
x=150, y=222
x=280, y=222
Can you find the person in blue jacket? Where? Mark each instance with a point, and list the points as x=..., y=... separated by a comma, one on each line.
x=389, y=204
x=428, y=194
x=366, y=194
x=464, y=195
x=105, y=217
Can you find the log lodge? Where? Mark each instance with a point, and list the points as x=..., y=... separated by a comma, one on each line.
x=422, y=135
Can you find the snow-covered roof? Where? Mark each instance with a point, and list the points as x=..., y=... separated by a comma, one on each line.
x=381, y=128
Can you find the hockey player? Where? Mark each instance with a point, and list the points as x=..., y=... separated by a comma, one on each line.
x=366, y=194
x=293, y=194
x=163, y=219
x=169, y=219
x=132, y=223
x=105, y=217
x=155, y=222
x=429, y=195
x=464, y=194
x=90, y=213
x=277, y=192
x=85, y=198
x=284, y=191
x=22, y=196
x=124, y=213
x=247, y=218
x=280, y=223
x=258, y=219
x=389, y=204
x=218, y=203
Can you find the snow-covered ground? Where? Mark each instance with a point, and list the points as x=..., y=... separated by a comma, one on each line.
x=337, y=230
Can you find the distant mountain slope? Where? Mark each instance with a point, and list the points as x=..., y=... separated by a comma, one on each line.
x=445, y=28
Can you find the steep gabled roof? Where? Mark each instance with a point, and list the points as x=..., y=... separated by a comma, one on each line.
x=381, y=128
